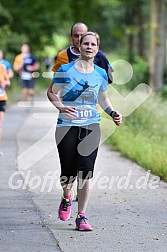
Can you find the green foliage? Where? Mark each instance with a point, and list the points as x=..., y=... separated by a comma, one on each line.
x=164, y=91
x=140, y=72
x=143, y=136
x=33, y=23
x=38, y=22
x=4, y=14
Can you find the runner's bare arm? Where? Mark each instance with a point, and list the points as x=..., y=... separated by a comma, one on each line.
x=53, y=95
x=108, y=108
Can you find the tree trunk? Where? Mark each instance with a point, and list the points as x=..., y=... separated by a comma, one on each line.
x=129, y=20
x=158, y=44
x=141, y=46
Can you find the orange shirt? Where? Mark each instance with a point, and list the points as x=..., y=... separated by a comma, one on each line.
x=62, y=58
x=3, y=77
x=18, y=63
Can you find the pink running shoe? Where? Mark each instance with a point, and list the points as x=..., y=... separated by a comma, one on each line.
x=82, y=224
x=65, y=209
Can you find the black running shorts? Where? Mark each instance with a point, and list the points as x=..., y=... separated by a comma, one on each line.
x=2, y=106
x=77, y=147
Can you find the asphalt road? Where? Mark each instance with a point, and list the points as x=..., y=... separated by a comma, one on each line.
x=127, y=209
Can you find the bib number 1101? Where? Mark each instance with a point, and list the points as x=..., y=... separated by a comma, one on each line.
x=84, y=113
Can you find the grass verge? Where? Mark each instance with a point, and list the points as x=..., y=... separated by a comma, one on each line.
x=143, y=136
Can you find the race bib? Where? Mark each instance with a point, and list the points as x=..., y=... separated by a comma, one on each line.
x=84, y=114
x=26, y=76
x=1, y=92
